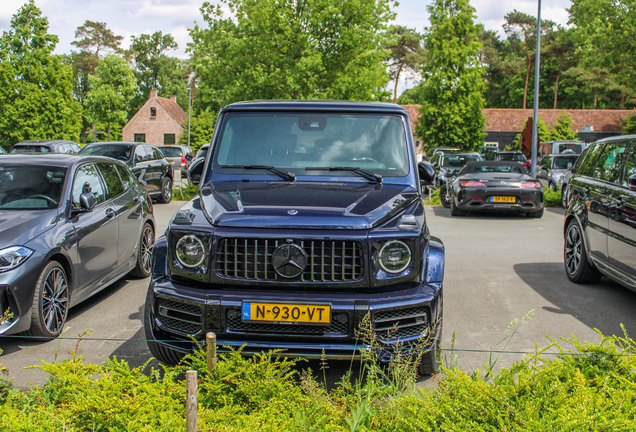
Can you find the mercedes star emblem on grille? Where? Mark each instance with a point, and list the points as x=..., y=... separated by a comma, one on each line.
x=289, y=260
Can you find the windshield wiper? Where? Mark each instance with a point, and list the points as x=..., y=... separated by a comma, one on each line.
x=285, y=174
x=357, y=170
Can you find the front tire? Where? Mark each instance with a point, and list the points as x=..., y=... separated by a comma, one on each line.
x=144, y=252
x=454, y=211
x=443, y=196
x=166, y=191
x=50, y=303
x=160, y=352
x=429, y=364
x=577, y=267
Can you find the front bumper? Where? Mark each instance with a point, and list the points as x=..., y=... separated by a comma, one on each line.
x=180, y=313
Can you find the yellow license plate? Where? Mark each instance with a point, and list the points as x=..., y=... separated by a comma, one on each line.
x=284, y=312
x=503, y=199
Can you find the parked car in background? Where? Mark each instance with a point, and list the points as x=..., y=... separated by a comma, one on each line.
x=432, y=151
x=553, y=169
x=70, y=226
x=309, y=224
x=496, y=186
x=600, y=218
x=2, y=151
x=148, y=164
x=179, y=157
x=488, y=152
x=46, y=146
x=565, y=194
x=512, y=156
x=556, y=147
x=446, y=166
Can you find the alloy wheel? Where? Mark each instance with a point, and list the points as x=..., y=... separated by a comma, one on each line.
x=55, y=300
x=147, y=241
x=167, y=190
x=573, y=248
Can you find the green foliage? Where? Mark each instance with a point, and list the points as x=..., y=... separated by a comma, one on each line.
x=185, y=193
x=201, y=129
x=411, y=96
x=308, y=49
x=628, y=125
x=452, y=94
x=552, y=199
x=36, y=99
x=407, y=53
x=562, y=129
x=113, y=85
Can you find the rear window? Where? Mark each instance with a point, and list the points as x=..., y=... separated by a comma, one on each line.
x=171, y=151
x=512, y=157
x=30, y=149
x=576, y=148
x=497, y=169
x=120, y=152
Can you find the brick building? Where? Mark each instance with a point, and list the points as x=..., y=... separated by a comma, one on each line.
x=503, y=124
x=160, y=121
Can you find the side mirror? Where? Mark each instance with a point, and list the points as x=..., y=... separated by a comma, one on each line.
x=632, y=182
x=87, y=201
x=195, y=171
x=426, y=171
x=137, y=159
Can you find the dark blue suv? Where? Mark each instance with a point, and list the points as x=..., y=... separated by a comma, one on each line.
x=309, y=218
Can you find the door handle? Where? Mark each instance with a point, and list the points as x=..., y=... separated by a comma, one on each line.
x=110, y=213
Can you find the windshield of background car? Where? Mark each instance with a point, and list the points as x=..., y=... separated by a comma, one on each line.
x=512, y=157
x=458, y=161
x=120, y=152
x=171, y=151
x=576, y=148
x=31, y=149
x=293, y=141
x=497, y=169
x=565, y=162
x=28, y=187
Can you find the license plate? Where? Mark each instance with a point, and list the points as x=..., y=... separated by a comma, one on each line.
x=503, y=199
x=285, y=312
x=171, y=162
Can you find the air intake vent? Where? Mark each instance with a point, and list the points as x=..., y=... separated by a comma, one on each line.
x=401, y=323
x=178, y=317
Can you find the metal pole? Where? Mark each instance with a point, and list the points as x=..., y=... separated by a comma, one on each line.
x=535, y=115
x=189, y=111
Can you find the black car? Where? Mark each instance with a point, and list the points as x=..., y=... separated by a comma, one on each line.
x=512, y=156
x=147, y=163
x=309, y=223
x=600, y=218
x=498, y=186
x=46, y=146
x=446, y=165
x=71, y=226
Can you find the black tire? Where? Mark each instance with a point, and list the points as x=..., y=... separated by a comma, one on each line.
x=537, y=214
x=51, y=300
x=442, y=196
x=577, y=267
x=166, y=191
x=160, y=352
x=429, y=364
x=144, y=252
x=454, y=211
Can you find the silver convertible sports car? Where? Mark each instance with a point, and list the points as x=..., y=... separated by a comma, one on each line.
x=496, y=186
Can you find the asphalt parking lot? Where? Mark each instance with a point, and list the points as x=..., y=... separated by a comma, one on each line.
x=499, y=267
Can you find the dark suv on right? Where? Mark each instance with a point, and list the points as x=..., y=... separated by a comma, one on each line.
x=600, y=218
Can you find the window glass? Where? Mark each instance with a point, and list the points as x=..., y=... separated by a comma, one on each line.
x=140, y=154
x=588, y=164
x=124, y=174
x=458, y=161
x=168, y=139
x=630, y=167
x=115, y=151
x=30, y=149
x=87, y=180
x=497, y=169
x=610, y=162
x=512, y=157
x=564, y=162
x=156, y=154
x=545, y=161
x=153, y=112
x=110, y=176
x=149, y=153
x=171, y=151
x=30, y=187
x=139, y=137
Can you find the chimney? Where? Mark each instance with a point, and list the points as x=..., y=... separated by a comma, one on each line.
x=153, y=94
x=173, y=98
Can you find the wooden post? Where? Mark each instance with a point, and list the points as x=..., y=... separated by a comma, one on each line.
x=210, y=339
x=192, y=402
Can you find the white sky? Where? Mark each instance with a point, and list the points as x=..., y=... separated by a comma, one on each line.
x=134, y=17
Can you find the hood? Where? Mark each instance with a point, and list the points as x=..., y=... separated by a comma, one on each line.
x=18, y=227
x=303, y=205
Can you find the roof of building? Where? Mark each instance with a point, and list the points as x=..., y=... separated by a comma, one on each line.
x=173, y=109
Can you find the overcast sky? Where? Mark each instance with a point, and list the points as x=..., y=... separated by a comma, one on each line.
x=134, y=17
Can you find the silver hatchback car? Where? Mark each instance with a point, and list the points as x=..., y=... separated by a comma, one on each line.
x=554, y=167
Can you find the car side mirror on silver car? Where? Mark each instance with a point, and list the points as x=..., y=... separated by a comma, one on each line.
x=195, y=171
x=632, y=182
x=87, y=201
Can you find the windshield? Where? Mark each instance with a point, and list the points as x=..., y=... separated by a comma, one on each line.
x=30, y=187
x=171, y=151
x=565, y=162
x=292, y=142
x=514, y=157
x=121, y=152
x=497, y=169
x=576, y=148
x=30, y=149
x=458, y=161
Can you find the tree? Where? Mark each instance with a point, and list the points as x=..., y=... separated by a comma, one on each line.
x=452, y=80
x=301, y=49
x=563, y=129
x=36, y=99
x=113, y=85
x=94, y=39
x=201, y=129
x=407, y=53
x=628, y=125
x=412, y=96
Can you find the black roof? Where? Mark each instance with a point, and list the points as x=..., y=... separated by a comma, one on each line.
x=50, y=159
x=315, y=105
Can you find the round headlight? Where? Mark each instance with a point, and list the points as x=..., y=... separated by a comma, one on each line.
x=190, y=251
x=394, y=256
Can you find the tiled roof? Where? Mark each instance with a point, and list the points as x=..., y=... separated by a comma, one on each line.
x=174, y=110
x=508, y=119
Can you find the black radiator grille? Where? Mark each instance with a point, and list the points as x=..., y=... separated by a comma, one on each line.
x=337, y=326
x=179, y=317
x=401, y=323
x=327, y=260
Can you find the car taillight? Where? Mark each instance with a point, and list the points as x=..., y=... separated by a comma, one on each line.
x=473, y=183
x=183, y=160
x=526, y=164
x=531, y=185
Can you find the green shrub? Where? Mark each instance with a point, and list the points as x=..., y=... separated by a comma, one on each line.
x=552, y=199
x=185, y=193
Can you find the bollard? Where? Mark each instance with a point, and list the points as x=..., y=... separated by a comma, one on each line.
x=192, y=402
x=210, y=339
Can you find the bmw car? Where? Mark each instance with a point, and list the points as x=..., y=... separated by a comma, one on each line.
x=70, y=226
x=496, y=186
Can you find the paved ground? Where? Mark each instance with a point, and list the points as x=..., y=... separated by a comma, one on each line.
x=498, y=269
